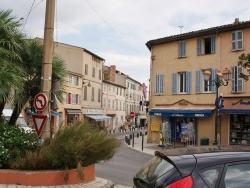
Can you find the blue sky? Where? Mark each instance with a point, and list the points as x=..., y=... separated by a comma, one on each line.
x=117, y=30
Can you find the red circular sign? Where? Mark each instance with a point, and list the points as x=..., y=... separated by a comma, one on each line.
x=132, y=114
x=40, y=101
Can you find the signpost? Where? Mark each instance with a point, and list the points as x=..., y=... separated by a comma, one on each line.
x=40, y=101
x=39, y=122
x=132, y=115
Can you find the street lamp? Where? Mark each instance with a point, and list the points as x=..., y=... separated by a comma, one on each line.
x=221, y=79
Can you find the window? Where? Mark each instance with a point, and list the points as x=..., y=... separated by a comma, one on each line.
x=76, y=81
x=78, y=99
x=104, y=102
x=85, y=93
x=93, y=72
x=159, y=84
x=86, y=69
x=70, y=79
x=100, y=74
x=68, y=100
x=237, y=81
x=238, y=175
x=211, y=175
x=205, y=86
x=99, y=95
x=182, y=49
x=93, y=94
x=206, y=45
x=181, y=83
x=73, y=100
x=237, y=40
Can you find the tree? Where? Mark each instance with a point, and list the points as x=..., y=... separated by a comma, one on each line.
x=31, y=63
x=244, y=61
x=11, y=40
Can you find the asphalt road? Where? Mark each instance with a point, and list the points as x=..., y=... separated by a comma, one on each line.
x=123, y=166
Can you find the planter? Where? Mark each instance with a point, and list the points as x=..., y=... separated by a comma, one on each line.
x=46, y=177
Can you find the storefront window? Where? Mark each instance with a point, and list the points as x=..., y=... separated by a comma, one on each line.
x=179, y=131
x=239, y=129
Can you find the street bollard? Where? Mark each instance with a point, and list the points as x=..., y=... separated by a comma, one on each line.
x=142, y=141
x=137, y=134
x=133, y=140
x=140, y=133
x=130, y=136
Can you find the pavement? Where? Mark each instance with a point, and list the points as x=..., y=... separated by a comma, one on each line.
x=139, y=143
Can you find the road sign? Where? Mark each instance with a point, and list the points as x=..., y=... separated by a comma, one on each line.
x=39, y=122
x=40, y=101
x=132, y=115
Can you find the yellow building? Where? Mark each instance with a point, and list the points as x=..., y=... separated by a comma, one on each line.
x=182, y=102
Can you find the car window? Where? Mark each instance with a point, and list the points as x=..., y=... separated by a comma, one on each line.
x=154, y=169
x=237, y=176
x=210, y=175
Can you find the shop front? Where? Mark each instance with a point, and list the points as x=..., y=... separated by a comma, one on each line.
x=179, y=126
x=235, y=121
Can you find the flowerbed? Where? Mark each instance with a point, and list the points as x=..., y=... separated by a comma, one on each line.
x=46, y=177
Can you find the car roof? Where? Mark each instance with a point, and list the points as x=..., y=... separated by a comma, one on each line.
x=186, y=159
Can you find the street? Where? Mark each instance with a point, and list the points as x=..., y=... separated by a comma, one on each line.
x=124, y=165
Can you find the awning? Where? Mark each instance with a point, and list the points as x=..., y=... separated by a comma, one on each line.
x=73, y=111
x=235, y=111
x=99, y=117
x=181, y=112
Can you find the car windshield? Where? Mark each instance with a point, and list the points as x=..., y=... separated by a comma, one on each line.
x=154, y=169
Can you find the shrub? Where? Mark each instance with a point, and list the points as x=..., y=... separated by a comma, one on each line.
x=14, y=144
x=71, y=146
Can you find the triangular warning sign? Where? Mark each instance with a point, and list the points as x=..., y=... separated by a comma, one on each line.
x=39, y=122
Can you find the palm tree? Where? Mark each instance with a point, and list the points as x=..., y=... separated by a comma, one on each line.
x=11, y=40
x=32, y=56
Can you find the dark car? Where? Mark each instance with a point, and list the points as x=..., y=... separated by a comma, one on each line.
x=197, y=167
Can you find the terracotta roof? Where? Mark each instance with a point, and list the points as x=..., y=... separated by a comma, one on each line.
x=210, y=31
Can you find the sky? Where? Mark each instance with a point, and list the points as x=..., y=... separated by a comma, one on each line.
x=117, y=30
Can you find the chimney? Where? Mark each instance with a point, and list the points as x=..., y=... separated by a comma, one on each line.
x=236, y=21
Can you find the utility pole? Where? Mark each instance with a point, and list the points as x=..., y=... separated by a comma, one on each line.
x=46, y=77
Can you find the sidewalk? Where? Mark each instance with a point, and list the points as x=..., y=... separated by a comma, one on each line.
x=100, y=182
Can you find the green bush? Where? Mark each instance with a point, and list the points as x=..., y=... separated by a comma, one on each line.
x=71, y=146
x=14, y=144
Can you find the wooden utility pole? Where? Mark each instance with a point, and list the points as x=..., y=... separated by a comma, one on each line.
x=46, y=77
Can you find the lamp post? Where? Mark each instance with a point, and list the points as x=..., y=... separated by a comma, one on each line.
x=221, y=79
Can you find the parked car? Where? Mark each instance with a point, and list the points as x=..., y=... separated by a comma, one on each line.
x=197, y=167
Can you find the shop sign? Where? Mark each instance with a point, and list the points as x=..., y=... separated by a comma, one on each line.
x=236, y=103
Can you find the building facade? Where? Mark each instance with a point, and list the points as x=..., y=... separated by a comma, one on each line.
x=182, y=102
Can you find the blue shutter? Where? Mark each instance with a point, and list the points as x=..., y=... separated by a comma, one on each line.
x=199, y=46
x=239, y=80
x=198, y=81
x=213, y=44
x=188, y=81
x=157, y=84
x=214, y=75
x=183, y=49
x=174, y=83
x=233, y=79
x=161, y=84
x=179, y=49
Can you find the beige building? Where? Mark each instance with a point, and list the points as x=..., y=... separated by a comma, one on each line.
x=83, y=98
x=182, y=101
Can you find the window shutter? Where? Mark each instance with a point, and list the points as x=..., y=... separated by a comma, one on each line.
x=198, y=81
x=199, y=46
x=214, y=74
x=239, y=80
x=183, y=48
x=188, y=81
x=213, y=44
x=174, y=83
x=161, y=84
x=233, y=79
x=179, y=49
